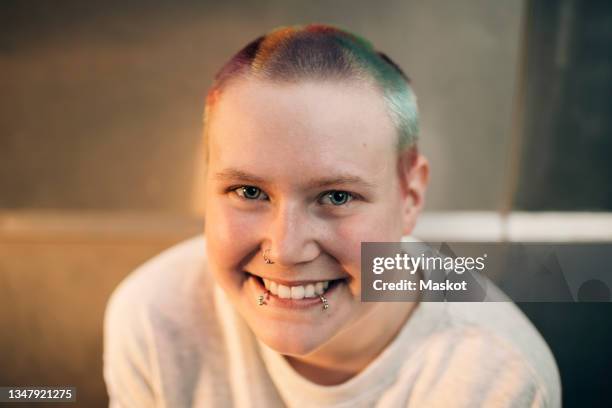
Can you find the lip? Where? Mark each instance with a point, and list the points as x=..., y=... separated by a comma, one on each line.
x=293, y=304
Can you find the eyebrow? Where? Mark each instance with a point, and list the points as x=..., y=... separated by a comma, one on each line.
x=235, y=174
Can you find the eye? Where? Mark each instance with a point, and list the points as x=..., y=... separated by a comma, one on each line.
x=337, y=197
x=250, y=193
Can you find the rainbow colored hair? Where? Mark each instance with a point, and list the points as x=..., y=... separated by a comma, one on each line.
x=316, y=51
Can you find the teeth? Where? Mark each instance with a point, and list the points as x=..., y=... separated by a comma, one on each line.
x=284, y=292
x=296, y=292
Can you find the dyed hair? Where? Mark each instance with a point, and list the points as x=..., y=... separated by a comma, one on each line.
x=322, y=52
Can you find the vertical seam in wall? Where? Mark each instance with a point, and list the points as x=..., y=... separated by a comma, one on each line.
x=517, y=128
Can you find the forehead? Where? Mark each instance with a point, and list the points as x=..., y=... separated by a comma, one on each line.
x=315, y=126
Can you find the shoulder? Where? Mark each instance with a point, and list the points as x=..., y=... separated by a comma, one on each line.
x=158, y=282
x=151, y=311
x=162, y=296
x=159, y=286
x=494, y=351
x=159, y=296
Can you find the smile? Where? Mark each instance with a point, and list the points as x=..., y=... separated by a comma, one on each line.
x=298, y=290
x=310, y=290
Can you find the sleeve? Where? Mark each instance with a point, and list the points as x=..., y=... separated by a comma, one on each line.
x=127, y=369
x=475, y=370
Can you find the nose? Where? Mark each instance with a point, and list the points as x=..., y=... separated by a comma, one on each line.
x=291, y=236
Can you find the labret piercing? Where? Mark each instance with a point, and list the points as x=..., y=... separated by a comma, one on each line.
x=324, y=300
x=261, y=299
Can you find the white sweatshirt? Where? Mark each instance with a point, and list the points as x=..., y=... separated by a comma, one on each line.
x=172, y=339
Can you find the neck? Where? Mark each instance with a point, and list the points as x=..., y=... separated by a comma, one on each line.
x=350, y=351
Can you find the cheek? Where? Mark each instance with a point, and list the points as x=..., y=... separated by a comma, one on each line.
x=230, y=234
x=379, y=224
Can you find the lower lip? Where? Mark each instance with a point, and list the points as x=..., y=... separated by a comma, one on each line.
x=304, y=303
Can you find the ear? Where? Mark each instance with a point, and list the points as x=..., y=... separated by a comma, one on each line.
x=413, y=173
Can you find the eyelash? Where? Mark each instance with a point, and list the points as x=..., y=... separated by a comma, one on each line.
x=352, y=196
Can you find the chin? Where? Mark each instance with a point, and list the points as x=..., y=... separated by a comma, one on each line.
x=293, y=342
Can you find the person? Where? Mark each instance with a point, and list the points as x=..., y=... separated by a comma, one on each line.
x=310, y=138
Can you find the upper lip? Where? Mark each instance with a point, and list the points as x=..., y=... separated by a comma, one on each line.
x=294, y=282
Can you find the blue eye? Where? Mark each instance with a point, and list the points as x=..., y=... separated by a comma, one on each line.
x=249, y=192
x=338, y=197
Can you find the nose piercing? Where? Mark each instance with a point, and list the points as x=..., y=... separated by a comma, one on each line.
x=324, y=300
x=266, y=257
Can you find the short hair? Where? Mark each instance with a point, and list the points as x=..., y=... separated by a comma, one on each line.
x=316, y=51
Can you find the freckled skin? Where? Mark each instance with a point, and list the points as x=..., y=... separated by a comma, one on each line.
x=289, y=135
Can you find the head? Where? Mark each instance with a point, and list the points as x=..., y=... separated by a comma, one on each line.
x=311, y=149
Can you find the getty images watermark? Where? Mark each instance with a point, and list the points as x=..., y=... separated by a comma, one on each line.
x=469, y=271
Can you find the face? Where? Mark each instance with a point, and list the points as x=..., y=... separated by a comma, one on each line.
x=306, y=172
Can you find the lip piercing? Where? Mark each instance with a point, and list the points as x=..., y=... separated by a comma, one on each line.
x=266, y=257
x=261, y=299
x=324, y=300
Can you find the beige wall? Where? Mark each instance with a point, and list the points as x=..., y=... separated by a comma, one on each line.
x=101, y=107
x=56, y=273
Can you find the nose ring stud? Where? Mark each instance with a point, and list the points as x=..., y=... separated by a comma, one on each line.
x=266, y=257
